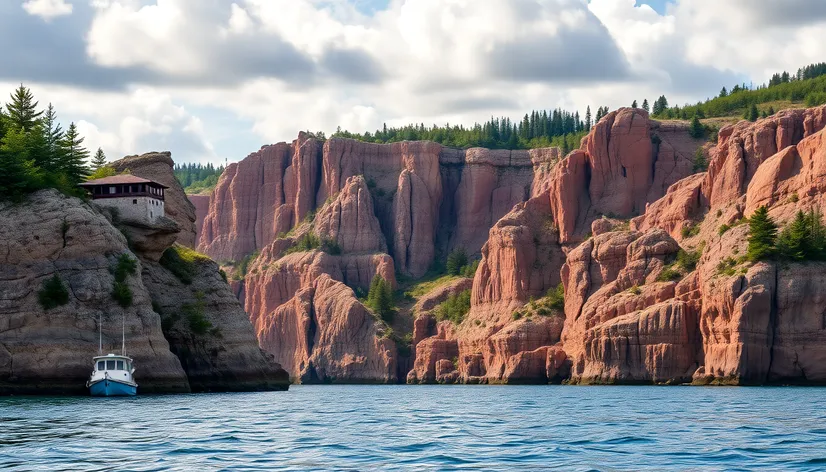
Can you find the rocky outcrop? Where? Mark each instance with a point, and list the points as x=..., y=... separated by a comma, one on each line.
x=209, y=332
x=50, y=351
x=301, y=303
x=521, y=260
x=157, y=166
x=201, y=204
x=182, y=323
x=625, y=162
x=743, y=147
x=266, y=194
x=428, y=199
x=350, y=221
x=325, y=335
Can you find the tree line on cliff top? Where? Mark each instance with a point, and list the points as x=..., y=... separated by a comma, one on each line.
x=565, y=129
x=807, y=86
x=36, y=152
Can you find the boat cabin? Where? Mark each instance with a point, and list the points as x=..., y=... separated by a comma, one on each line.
x=110, y=364
x=135, y=198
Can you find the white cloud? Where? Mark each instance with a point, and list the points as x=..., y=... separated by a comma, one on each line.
x=47, y=9
x=279, y=66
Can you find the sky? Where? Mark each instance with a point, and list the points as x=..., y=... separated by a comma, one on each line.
x=214, y=80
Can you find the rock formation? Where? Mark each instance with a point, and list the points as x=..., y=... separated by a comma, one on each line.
x=666, y=297
x=156, y=166
x=50, y=351
x=614, y=264
x=185, y=330
x=201, y=204
x=428, y=199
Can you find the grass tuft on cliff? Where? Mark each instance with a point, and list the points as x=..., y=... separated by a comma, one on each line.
x=182, y=262
x=53, y=294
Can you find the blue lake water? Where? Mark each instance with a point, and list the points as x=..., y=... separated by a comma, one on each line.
x=423, y=428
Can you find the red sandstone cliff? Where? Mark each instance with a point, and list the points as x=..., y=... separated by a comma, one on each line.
x=627, y=317
x=631, y=313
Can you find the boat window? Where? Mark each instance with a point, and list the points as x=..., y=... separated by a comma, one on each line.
x=101, y=365
x=120, y=365
x=110, y=365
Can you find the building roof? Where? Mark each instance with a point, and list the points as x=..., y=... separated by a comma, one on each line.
x=120, y=180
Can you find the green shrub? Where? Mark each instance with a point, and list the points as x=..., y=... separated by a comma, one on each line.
x=688, y=259
x=122, y=294
x=308, y=242
x=125, y=267
x=804, y=239
x=669, y=274
x=700, y=161
x=636, y=290
x=455, y=308
x=517, y=315
x=223, y=275
x=456, y=260
x=194, y=313
x=727, y=266
x=794, y=198
x=723, y=229
x=815, y=99
x=53, y=294
x=470, y=270
x=556, y=297
x=696, y=130
x=690, y=231
x=244, y=265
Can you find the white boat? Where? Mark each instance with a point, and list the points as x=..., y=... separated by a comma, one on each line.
x=112, y=374
x=112, y=377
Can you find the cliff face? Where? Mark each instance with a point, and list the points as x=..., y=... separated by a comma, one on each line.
x=428, y=199
x=184, y=336
x=610, y=265
x=201, y=204
x=636, y=309
x=44, y=352
x=301, y=303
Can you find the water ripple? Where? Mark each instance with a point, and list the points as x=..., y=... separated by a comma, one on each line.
x=422, y=428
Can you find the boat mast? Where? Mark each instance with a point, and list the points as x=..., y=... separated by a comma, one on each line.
x=123, y=337
x=100, y=334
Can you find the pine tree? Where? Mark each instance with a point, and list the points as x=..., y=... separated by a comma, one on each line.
x=817, y=234
x=380, y=297
x=455, y=261
x=792, y=243
x=18, y=173
x=753, y=114
x=588, y=119
x=53, y=134
x=22, y=111
x=723, y=93
x=73, y=156
x=99, y=160
x=762, y=235
x=700, y=161
x=634, y=104
x=645, y=105
x=697, y=130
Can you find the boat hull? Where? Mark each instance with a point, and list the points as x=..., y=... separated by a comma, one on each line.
x=112, y=388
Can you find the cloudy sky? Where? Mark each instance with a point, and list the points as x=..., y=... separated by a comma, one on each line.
x=215, y=79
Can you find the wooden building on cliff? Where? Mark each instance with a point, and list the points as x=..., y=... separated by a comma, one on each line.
x=135, y=198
